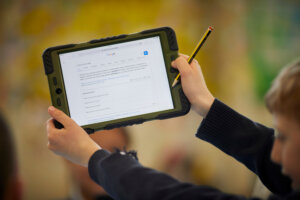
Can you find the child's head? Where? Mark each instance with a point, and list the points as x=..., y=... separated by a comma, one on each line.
x=283, y=101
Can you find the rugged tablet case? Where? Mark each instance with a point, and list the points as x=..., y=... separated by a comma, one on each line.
x=58, y=95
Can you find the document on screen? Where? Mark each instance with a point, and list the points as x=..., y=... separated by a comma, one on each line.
x=116, y=81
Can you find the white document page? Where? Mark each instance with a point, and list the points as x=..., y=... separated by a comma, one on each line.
x=116, y=81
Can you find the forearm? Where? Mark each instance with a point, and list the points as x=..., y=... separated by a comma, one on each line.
x=245, y=140
x=124, y=178
x=233, y=133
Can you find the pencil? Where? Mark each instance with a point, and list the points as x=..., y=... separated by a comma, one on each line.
x=199, y=45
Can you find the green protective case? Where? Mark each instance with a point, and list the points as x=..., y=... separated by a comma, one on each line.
x=170, y=52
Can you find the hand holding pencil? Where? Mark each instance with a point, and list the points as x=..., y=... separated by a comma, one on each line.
x=193, y=84
x=199, y=45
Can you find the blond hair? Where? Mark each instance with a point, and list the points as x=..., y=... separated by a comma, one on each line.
x=284, y=95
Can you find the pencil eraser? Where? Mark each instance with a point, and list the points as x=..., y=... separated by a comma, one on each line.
x=211, y=28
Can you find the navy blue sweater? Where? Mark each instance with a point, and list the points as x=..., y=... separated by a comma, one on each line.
x=123, y=177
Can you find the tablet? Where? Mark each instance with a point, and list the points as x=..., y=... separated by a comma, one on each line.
x=116, y=81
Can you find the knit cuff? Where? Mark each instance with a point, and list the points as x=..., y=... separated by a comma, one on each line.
x=95, y=158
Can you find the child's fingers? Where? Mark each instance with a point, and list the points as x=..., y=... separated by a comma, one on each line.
x=183, y=55
x=60, y=116
x=182, y=65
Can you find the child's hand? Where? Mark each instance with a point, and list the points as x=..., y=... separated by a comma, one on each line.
x=193, y=84
x=71, y=142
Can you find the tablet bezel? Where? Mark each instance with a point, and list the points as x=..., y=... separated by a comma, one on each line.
x=169, y=50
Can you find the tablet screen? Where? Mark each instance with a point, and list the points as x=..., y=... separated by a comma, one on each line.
x=116, y=81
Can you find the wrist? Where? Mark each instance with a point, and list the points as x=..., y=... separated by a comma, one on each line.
x=203, y=105
x=90, y=152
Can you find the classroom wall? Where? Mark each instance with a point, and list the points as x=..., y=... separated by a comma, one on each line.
x=252, y=40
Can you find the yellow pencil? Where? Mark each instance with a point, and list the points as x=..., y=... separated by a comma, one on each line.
x=199, y=45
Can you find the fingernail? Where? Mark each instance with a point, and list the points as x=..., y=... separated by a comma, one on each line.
x=51, y=108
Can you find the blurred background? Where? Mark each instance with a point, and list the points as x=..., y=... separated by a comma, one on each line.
x=251, y=42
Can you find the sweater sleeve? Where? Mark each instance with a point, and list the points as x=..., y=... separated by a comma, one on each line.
x=123, y=177
x=247, y=141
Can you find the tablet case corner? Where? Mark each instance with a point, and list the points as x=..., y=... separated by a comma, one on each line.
x=170, y=35
x=48, y=65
